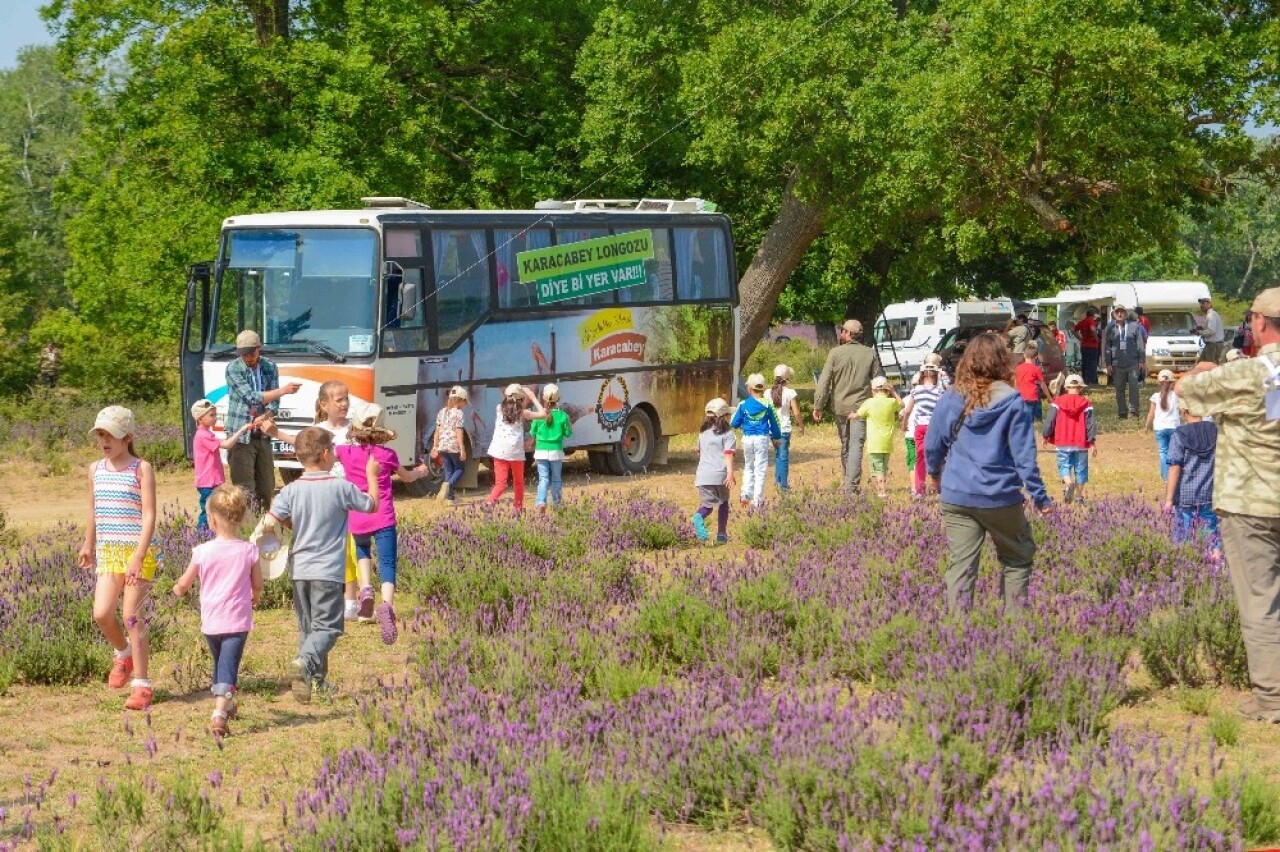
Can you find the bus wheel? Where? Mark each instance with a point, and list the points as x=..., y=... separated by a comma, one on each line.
x=634, y=451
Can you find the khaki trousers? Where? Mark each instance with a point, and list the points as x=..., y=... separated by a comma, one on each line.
x=1252, y=548
x=967, y=530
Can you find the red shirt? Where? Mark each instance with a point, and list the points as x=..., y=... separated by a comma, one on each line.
x=1087, y=331
x=1028, y=377
x=1145, y=323
x=1061, y=337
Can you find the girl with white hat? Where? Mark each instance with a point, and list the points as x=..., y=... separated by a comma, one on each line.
x=507, y=447
x=1164, y=417
x=784, y=403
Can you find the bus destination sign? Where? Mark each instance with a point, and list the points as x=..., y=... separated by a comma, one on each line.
x=575, y=270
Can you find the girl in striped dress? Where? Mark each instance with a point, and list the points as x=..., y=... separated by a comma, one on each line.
x=918, y=412
x=119, y=543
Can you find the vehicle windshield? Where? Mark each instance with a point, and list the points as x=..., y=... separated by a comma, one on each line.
x=302, y=290
x=1169, y=323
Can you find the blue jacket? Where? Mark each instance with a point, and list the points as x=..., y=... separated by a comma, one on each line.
x=754, y=417
x=992, y=457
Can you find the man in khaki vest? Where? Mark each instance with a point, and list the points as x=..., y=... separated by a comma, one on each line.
x=1243, y=398
x=845, y=383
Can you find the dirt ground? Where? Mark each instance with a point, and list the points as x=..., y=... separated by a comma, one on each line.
x=78, y=730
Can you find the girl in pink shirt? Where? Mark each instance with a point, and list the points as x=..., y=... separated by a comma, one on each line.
x=230, y=587
x=205, y=452
x=369, y=436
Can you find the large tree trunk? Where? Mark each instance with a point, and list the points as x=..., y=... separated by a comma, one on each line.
x=793, y=230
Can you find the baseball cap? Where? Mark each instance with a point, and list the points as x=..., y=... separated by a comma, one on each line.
x=1118, y=308
x=1074, y=381
x=459, y=392
x=852, y=326
x=1165, y=376
x=116, y=420
x=933, y=359
x=782, y=371
x=879, y=382
x=247, y=341
x=755, y=381
x=718, y=407
x=200, y=408
x=1267, y=302
x=514, y=389
x=1204, y=299
x=551, y=392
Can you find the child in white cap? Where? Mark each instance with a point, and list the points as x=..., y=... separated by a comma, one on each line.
x=783, y=398
x=506, y=449
x=1071, y=428
x=205, y=453
x=714, y=477
x=449, y=444
x=119, y=544
x=1164, y=417
x=759, y=424
x=881, y=413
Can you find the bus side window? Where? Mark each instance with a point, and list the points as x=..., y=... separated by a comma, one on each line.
x=512, y=293
x=702, y=264
x=658, y=285
x=462, y=282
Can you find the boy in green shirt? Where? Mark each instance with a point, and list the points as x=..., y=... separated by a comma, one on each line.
x=881, y=413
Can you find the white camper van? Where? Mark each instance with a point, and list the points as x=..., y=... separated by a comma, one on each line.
x=1172, y=307
x=908, y=331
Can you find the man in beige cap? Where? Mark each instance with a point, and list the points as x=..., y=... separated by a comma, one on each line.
x=253, y=389
x=846, y=383
x=1243, y=398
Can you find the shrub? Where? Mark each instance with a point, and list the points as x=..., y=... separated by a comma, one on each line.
x=1225, y=730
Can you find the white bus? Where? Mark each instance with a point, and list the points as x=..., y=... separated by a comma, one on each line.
x=908, y=331
x=401, y=302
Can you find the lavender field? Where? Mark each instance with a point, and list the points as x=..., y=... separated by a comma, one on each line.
x=597, y=679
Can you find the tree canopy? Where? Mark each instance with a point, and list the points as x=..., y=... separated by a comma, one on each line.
x=867, y=151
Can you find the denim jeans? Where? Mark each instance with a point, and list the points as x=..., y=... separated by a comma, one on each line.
x=755, y=454
x=1194, y=519
x=227, y=649
x=202, y=521
x=1163, y=436
x=549, y=476
x=782, y=462
x=454, y=467
x=384, y=540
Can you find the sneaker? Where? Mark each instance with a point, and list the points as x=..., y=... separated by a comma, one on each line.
x=365, y=612
x=302, y=690
x=699, y=526
x=139, y=698
x=218, y=724
x=121, y=672
x=300, y=684
x=387, y=620
x=722, y=539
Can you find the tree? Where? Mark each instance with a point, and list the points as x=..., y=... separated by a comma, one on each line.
x=250, y=105
x=1002, y=144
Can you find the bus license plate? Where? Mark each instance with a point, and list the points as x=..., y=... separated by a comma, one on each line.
x=280, y=448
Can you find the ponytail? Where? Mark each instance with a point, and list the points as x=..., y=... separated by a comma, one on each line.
x=778, y=384
x=1165, y=389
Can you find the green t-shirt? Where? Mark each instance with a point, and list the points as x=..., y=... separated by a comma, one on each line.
x=550, y=436
x=881, y=414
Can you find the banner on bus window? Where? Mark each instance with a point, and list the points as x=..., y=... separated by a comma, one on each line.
x=575, y=270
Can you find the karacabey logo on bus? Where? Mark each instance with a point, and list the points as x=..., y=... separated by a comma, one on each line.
x=610, y=334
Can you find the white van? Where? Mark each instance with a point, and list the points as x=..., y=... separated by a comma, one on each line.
x=1171, y=306
x=908, y=331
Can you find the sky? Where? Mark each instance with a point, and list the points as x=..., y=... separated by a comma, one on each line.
x=22, y=26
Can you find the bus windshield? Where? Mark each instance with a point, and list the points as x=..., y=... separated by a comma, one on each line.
x=304, y=289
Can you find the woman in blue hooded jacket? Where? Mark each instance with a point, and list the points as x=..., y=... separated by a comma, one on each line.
x=980, y=451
